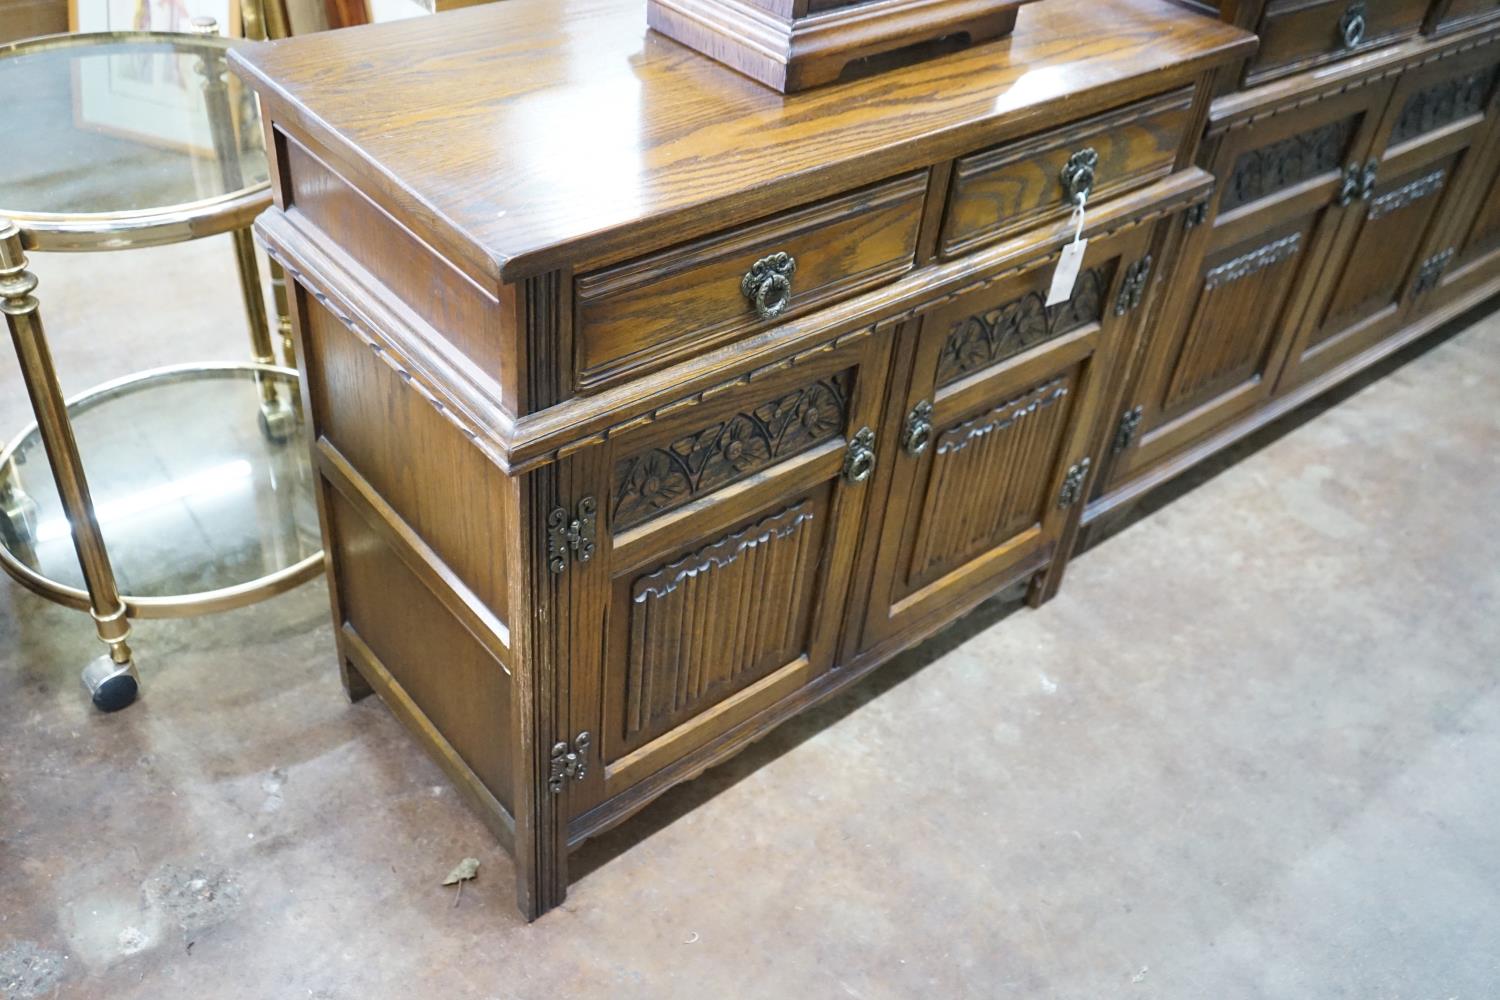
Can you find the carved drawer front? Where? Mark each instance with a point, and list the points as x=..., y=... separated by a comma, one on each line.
x=1298, y=34
x=650, y=312
x=731, y=530
x=990, y=456
x=1006, y=190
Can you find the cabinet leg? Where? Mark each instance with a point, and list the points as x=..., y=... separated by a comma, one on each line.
x=112, y=680
x=355, y=685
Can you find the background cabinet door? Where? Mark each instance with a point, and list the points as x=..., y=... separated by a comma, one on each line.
x=1244, y=280
x=1437, y=116
x=992, y=440
x=723, y=558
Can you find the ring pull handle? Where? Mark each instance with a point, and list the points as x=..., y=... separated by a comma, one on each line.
x=1352, y=24
x=1078, y=174
x=859, y=462
x=918, y=429
x=768, y=284
x=1350, y=188
x=1367, y=180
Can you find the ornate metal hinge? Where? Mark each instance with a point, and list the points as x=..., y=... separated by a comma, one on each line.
x=1133, y=287
x=1072, y=487
x=918, y=428
x=568, y=762
x=1125, y=433
x=1432, y=271
x=573, y=535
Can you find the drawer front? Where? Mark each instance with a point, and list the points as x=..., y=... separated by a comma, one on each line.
x=650, y=312
x=1003, y=393
x=1452, y=14
x=1003, y=191
x=725, y=549
x=1297, y=34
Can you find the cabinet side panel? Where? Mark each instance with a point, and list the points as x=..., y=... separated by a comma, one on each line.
x=419, y=463
x=462, y=691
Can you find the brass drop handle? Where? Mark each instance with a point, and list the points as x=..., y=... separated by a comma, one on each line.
x=768, y=284
x=1352, y=24
x=918, y=429
x=859, y=461
x=1078, y=174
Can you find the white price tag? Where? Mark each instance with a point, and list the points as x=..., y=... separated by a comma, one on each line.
x=1071, y=261
x=1066, y=275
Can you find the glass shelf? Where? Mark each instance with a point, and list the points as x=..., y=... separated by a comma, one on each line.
x=201, y=485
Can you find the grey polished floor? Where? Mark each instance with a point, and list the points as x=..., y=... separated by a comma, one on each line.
x=1250, y=751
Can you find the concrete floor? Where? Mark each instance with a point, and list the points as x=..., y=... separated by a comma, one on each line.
x=1250, y=751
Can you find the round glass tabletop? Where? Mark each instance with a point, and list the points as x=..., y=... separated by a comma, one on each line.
x=127, y=134
x=200, y=500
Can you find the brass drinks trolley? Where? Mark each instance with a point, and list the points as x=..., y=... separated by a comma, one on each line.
x=198, y=496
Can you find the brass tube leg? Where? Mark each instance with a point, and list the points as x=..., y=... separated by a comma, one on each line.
x=283, y=314
x=255, y=303
x=277, y=418
x=112, y=680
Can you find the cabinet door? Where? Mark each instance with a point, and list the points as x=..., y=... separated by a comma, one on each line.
x=723, y=554
x=1466, y=252
x=989, y=451
x=1242, y=282
x=1436, y=118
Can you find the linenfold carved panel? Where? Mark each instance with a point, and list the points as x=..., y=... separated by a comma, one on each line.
x=990, y=477
x=718, y=618
x=657, y=480
x=1264, y=171
x=1406, y=194
x=989, y=337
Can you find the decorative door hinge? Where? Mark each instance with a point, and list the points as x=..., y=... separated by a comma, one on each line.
x=1432, y=272
x=1133, y=287
x=571, y=535
x=568, y=762
x=1125, y=433
x=1072, y=487
x=860, y=460
x=1196, y=214
x=918, y=428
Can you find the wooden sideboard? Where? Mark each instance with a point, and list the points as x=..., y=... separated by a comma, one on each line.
x=652, y=407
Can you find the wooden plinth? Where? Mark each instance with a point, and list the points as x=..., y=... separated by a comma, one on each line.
x=792, y=53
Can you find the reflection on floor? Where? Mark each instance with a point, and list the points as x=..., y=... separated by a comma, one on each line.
x=1248, y=752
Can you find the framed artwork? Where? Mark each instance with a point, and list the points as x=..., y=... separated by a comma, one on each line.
x=152, y=15
x=153, y=97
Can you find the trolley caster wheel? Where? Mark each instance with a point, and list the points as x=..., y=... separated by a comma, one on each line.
x=18, y=517
x=111, y=685
x=278, y=422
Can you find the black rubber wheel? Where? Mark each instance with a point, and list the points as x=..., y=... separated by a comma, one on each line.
x=115, y=693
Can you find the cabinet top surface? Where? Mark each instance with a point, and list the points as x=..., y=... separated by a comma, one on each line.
x=520, y=136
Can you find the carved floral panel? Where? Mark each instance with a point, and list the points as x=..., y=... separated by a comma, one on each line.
x=657, y=480
x=986, y=338
x=1264, y=171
